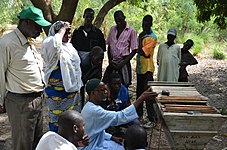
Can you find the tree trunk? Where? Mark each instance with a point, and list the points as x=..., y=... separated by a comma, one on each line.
x=67, y=11
x=104, y=10
x=45, y=6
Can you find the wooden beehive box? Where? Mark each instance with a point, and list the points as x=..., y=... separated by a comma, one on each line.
x=188, y=121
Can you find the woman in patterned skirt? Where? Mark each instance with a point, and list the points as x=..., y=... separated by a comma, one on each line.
x=62, y=72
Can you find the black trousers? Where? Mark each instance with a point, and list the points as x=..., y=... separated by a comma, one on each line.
x=109, y=70
x=142, y=80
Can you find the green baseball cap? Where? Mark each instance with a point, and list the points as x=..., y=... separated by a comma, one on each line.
x=34, y=14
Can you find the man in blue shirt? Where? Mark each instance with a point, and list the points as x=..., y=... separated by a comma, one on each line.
x=98, y=119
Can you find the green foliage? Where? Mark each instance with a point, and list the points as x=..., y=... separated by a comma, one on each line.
x=198, y=45
x=82, y=5
x=179, y=14
x=56, y=5
x=218, y=53
x=212, y=8
x=9, y=11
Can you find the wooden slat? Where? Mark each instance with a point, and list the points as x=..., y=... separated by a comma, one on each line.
x=182, y=102
x=191, y=98
x=160, y=83
x=177, y=91
x=174, y=88
x=185, y=109
x=193, y=132
x=189, y=108
x=178, y=105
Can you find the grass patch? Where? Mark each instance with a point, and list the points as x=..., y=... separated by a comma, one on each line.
x=218, y=53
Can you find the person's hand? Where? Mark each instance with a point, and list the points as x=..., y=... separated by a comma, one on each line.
x=66, y=25
x=118, y=140
x=148, y=95
x=84, y=142
x=2, y=109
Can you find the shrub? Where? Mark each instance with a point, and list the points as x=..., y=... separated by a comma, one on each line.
x=198, y=45
x=218, y=53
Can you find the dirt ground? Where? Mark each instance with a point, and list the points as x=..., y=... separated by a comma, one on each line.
x=210, y=79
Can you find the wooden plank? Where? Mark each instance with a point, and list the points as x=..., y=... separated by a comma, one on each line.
x=173, y=87
x=189, y=108
x=178, y=105
x=178, y=91
x=193, y=122
x=179, y=110
x=192, y=98
x=193, y=131
x=182, y=102
x=159, y=83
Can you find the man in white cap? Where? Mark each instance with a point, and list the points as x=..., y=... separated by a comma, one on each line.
x=168, y=58
x=22, y=79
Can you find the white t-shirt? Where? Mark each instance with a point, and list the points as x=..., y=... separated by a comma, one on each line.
x=53, y=141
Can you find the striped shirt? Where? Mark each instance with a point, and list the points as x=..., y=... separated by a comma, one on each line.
x=121, y=47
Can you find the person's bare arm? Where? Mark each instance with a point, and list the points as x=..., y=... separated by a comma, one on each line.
x=145, y=96
x=118, y=66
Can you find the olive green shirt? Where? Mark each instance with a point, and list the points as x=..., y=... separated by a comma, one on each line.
x=20, y=65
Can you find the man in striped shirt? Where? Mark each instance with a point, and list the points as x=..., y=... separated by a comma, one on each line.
x=122, y=46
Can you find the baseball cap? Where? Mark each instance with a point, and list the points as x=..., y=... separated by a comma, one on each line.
x=34, y=14
x=172, y=32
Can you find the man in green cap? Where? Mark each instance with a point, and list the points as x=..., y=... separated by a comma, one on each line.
x=22, y=79
x=98, y=119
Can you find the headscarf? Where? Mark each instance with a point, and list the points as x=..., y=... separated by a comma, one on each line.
x=53, y=50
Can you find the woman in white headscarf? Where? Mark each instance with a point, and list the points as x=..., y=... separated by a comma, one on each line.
x=62, y=72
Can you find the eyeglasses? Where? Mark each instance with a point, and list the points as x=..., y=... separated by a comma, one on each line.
x=102, y=90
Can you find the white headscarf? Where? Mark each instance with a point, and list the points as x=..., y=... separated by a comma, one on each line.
x=53, y=50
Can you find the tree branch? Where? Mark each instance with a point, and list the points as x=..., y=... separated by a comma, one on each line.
x=104, y=10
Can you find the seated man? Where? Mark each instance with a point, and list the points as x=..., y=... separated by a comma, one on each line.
x=70, y=133
x=98, y=119
x=135, y=138
x=118, y=98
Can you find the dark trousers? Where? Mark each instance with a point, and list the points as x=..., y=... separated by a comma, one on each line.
x=109, y=70
x=142, y=80
x=25, y=117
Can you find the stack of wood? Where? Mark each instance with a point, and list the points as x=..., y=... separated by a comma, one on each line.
x=183, y=98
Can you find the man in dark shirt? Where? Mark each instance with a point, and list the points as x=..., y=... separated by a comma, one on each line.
x=93, y=69
x=87, y=36
x=84, y=39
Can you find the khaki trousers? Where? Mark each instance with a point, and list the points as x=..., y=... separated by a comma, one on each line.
x=25, y=117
